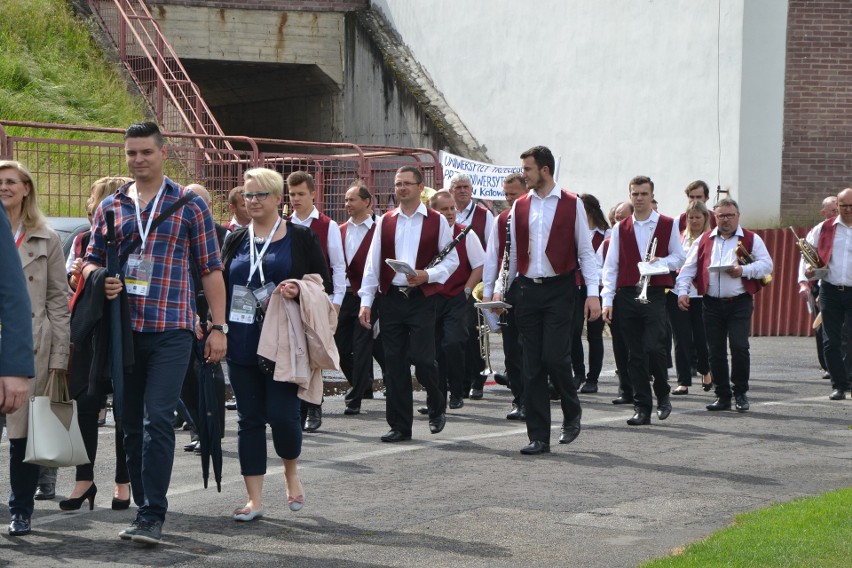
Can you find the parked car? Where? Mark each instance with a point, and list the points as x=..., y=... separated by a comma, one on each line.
x=68, y=228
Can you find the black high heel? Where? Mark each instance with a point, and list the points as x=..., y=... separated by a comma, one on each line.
x=707, y=386
x=120, y=504
x=75, y=503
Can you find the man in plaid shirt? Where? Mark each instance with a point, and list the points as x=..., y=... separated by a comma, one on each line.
x=162, y=311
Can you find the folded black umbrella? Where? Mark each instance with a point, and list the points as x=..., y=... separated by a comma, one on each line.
x=116, y=348
x=210, y=416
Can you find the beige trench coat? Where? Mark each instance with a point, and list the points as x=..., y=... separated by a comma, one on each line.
x=47, y=284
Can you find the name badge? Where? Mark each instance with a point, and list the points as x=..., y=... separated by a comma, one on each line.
x=243, y=305
x=263, y=294
x=137, y=281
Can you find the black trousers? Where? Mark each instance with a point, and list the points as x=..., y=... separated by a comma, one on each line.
x=594, y=337
x=728, y=321
x=643, y=328
x=621, y=355
x=512, y=357
x=544, y=314
x=474, y=363
x=88, y=408
x=689, y=336
x=836, y=304
x=451, y=337
x=355, y=346
x=411, y=321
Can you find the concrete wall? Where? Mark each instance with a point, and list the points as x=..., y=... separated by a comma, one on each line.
x=617, y=88
x=377, y=108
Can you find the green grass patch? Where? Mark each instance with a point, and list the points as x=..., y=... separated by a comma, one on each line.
x=810, y=532
x=51, y=70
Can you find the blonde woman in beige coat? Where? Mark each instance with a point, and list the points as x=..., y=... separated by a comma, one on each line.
x=44, y=271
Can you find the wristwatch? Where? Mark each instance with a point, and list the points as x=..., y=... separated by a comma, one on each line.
x=223, y=328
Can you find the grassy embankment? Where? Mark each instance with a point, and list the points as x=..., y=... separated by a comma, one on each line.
x=810, y=532
x=52, y=71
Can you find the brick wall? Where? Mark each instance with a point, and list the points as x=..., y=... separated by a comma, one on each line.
x=275, y=5
x=817, y=156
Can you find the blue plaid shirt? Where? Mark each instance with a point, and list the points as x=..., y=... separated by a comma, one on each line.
x=189, y=235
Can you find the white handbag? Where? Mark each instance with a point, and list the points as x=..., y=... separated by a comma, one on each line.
x=53, y=432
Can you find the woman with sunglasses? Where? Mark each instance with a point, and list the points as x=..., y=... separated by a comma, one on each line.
x=257, y=259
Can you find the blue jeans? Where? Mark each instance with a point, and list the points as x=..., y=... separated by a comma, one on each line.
x=262, y=401
x=151, y=393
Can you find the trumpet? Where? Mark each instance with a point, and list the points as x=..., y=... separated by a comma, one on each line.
x=484, y=328
x=809, y=253
x=745, y=257
x=644, y=281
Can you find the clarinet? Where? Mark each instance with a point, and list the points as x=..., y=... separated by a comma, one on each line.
x=442, y=254
x=504, y=266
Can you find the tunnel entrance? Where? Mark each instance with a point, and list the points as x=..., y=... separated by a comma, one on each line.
x=269, y=100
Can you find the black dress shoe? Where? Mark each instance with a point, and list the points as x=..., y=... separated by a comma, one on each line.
x=535, y=447
x=313, y=420
x=837, y=394
x=193, y=443
x=437, y=423
x=20, y=525
x=517, y=413
x=640, y=418
x=231, y=404
x=501, y=379
x=589, y=387
x=664, y=407
x=622, y=400
x=476, y=394
x=395, y=436
x=741, y=402
x=456, y=402
x=352, y=410
x=45, y=492
x=720, y=404
x=826, y=375
x=570, y=431
x=680, y=391
x=423, y=410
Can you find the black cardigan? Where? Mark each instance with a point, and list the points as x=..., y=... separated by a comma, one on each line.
x=305, y=250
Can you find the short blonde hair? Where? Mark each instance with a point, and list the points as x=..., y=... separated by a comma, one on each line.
x=103, y=188
x=268, y=180
x=433, y=200
x=31, y=215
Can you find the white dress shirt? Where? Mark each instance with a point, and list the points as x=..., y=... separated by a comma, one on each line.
x=355, y=234
x=465, y=218
x=475, y=252
x=491, y=270
x=542, y=211
x=406, y=243
x=643, y=231
x=721, y=284
x=335, y=254
x=839, y=269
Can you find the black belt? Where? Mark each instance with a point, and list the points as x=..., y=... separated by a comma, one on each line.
x=730, y=300
x=838, y=288
x=410, y=292
x=546, y=279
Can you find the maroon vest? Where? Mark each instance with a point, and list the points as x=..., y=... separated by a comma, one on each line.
x=628, y=252
x=480, y=215
x=355, y=265
x=561, y=248
x=428, y=248
x=682, y=222
x=705, y=250
x=320, y=227
x=597, y=241
x=825, y=244
x=455, y=283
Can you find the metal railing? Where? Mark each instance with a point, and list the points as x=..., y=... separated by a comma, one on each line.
x=64, y=166
x=174, y=99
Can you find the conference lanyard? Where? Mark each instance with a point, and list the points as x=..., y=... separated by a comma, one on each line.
x=255, y=257
x=143, y=233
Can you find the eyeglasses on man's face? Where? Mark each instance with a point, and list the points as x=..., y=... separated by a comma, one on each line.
x=726, y=216
x=259, y=196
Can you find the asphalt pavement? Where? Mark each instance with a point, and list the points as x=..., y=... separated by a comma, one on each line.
x=466, y=497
